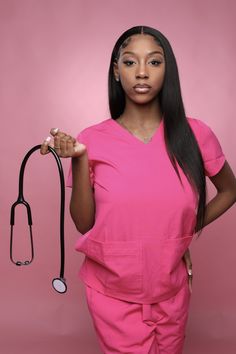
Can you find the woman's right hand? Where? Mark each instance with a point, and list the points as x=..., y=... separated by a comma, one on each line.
x=64, y=144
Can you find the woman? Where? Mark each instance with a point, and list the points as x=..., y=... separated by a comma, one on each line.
x=139, y=196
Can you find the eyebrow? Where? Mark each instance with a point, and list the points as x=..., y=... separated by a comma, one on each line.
x=155, y=52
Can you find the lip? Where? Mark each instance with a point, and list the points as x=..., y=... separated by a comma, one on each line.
x=142, y=86
x=142, y=89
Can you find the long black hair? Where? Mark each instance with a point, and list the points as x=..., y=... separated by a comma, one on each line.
x=181, y=144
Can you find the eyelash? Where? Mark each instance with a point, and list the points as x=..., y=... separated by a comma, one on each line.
x=131, y=61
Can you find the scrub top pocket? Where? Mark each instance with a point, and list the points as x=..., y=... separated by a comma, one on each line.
x=173, y=268
x=117, y=264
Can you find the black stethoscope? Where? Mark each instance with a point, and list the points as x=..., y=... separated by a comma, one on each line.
x=59, y=284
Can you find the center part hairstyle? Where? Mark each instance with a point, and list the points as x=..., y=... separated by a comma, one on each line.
x=181, y=144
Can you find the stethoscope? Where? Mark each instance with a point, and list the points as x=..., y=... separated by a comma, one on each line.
x=59, y=284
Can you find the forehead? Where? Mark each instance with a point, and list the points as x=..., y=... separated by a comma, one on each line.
x=141, y=42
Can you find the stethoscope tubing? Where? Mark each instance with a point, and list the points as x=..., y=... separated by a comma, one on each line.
x=21, y=200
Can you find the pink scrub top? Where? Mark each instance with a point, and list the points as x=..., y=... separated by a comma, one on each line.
x=144, y=218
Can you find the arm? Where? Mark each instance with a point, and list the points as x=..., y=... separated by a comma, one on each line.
x=82, y=204
x=225, y=183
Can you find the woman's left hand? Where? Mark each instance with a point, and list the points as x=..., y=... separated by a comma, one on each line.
x=188, y=262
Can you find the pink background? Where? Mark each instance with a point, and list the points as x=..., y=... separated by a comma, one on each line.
x=53, y=68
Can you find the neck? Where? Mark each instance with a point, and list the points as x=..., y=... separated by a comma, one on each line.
x=142, y=114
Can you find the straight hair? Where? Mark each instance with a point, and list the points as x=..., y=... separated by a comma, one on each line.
x=180, y=141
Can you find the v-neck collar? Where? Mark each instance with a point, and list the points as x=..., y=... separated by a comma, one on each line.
x=133, y=137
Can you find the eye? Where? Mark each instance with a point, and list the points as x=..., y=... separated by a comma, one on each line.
x=130, y=62
x=127, y=62
x=157, y=62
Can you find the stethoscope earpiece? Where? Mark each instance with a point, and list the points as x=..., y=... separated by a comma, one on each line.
x=59, y=284
x=19, y=263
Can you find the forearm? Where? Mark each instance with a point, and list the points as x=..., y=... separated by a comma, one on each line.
x=218, y=205
x=82, y=204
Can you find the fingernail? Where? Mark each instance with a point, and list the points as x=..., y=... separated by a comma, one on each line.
x=190, y=272
x=54, y=130
x=48, y=139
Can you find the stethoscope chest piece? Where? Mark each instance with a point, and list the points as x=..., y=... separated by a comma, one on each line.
x=59, y=284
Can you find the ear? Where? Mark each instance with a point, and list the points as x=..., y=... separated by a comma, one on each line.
x=115, y=69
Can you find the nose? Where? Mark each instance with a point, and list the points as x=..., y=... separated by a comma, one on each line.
x=141, y=71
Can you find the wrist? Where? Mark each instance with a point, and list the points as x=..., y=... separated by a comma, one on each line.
x=77, y=159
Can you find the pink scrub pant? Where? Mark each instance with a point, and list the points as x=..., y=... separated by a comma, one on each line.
x=131, y=328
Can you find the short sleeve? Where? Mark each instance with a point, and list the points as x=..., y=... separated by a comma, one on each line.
x=211, y=149
x=81, y=138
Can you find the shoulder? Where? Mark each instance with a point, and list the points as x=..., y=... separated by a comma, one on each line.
x=100, y=126
x=202, y=131
x=198, y=125
x=207, y=139
x=92, y=133
x=209, y=144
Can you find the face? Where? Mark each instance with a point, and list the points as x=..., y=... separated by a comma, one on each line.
x=141, y=62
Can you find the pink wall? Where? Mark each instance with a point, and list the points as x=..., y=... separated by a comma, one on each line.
x=53, y=68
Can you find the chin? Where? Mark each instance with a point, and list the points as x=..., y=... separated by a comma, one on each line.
x=141, y=99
